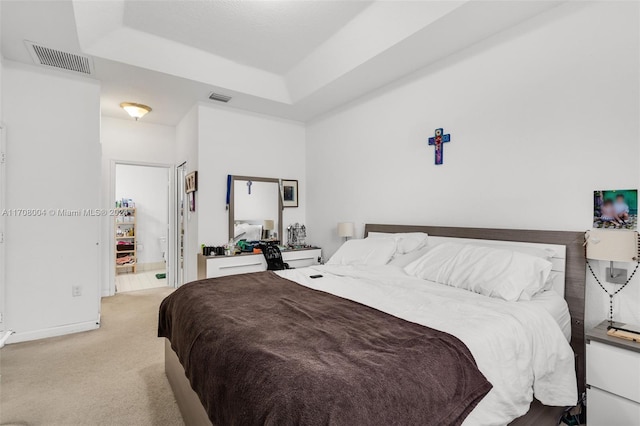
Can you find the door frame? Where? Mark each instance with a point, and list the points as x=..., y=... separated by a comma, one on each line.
x=180, y=196
x=3, y=205
x=171, y=209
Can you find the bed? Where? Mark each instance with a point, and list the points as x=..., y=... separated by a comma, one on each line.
x=374, y=288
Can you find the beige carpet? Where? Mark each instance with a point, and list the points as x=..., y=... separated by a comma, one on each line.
x=110, y=376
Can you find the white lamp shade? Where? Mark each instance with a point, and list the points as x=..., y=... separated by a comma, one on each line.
x=268, y=225
x=135, y=110
x=613, y=245
x=346, y=229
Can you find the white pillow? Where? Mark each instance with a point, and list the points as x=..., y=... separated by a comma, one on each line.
x=377, y=251
x=543, y=253
x=402, y=260
x=407, y=242
x=405, y=259
x=493, y=272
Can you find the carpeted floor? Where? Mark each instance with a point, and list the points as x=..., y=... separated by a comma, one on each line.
x=110, y=376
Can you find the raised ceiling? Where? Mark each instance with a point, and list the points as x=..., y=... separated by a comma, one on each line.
x=269, y=35
x=292, y=59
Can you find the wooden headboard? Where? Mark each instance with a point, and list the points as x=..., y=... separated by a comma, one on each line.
x=574, y=273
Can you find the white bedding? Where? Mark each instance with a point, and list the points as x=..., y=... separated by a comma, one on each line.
x=517, y=345
x=557, y=307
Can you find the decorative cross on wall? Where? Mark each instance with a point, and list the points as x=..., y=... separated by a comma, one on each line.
x=438, y=140
x=249, y=183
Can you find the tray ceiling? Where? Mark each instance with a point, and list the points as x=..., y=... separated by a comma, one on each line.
x=292, y=59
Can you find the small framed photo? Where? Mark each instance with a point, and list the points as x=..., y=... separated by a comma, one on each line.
x=289, y=193
x=191, y=182
x=615, y=209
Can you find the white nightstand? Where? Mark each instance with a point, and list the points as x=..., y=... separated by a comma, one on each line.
x=220, y=266
x=613, y=379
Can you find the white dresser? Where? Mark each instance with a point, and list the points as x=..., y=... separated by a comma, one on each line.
x=613, y=379
x=220, y=266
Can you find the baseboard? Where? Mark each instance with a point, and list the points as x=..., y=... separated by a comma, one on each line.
x=53, y=332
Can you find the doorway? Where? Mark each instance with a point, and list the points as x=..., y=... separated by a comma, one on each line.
x=141, y=227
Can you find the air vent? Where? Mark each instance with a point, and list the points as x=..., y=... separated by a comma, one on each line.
x=57, y=58
x=218, y=97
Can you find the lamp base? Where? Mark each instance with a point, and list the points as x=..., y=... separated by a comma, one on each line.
x=616, y=275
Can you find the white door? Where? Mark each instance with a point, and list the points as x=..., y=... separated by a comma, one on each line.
x=2, y=226
x=181, y=223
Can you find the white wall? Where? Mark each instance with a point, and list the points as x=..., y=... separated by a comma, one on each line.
x=187, y=151
x=137, y=141
x=148, y=187
x=234, y=142
x=53, y=162
x=127, y=141
x=1, y=59
x=2, y=186
x=539, y=116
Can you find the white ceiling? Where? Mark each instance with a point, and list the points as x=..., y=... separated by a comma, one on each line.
x=270, y=35
x=292, y=59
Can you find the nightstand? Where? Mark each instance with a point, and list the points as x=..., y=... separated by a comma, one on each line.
x=613, y=379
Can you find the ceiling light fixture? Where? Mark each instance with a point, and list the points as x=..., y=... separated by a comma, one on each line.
x=136, y=111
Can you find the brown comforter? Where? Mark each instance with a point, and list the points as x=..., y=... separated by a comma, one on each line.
x=260, y=349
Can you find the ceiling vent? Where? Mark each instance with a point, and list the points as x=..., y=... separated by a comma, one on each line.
x=218, y=97
x=57, y=58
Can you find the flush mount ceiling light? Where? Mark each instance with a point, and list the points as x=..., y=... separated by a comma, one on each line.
x=136, y=111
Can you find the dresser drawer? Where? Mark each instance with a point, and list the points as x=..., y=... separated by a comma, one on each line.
x=233, y=265
x=301, y=258
x=614, y=370
x=605, y=409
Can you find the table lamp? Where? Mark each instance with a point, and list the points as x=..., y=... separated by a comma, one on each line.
x=346, y=230
x=613, y=246
x=267, y=227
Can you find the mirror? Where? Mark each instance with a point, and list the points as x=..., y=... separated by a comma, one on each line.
x=255, y=206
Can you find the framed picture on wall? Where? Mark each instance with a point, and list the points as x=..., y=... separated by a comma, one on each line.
x=615, y=209
x=289, y=193
x=191, y=182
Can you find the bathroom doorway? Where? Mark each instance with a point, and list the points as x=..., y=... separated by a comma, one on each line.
x=141, y=227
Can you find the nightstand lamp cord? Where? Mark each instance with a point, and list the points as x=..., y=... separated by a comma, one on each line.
x=614, y=293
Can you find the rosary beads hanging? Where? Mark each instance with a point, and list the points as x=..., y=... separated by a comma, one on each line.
x=615, y=292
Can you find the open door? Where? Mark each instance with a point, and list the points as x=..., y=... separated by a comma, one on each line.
x=2, y=228
x=181, y=223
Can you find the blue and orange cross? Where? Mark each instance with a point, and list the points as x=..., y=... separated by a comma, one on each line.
x=438, y=140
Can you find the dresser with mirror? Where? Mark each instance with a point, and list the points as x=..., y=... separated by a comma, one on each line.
x=255, y=214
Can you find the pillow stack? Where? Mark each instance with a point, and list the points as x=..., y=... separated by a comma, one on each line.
x=516, y=273
x=493, y=272
x=378, y=248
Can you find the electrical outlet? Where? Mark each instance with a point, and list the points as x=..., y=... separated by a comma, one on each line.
x=76, y=291
x=0, y=316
